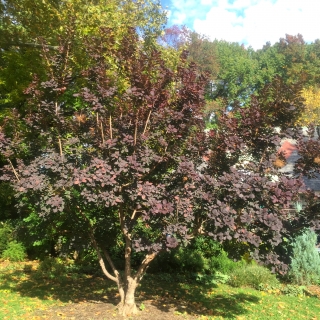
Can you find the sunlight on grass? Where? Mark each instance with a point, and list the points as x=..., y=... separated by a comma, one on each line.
x=22, y=292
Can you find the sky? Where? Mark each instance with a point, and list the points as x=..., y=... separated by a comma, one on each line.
x=249, y=22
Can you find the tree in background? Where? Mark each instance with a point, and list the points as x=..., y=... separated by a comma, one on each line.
x=311, y=112
x=26, y=27
x=32, y=31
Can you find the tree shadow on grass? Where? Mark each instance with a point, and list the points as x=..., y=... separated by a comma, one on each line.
x=167, y=297
x=197, y=299
x=66, y=288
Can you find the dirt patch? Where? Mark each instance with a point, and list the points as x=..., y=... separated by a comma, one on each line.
x=313, y=291
x=94, y=310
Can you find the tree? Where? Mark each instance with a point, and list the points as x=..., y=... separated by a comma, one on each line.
x=203, y=52
x=109, y=159
x=107, y=156
x=311, y=112
x=26, y=27
x=30, y=33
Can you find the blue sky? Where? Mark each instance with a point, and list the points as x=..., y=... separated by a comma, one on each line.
x=251, y=22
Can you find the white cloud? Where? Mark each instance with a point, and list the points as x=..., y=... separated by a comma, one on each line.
x=253, y=22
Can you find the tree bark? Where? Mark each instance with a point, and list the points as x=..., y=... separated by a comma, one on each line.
x=128, y=306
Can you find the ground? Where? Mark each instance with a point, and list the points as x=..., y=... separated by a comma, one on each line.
x=155, y=310
x=26, y=293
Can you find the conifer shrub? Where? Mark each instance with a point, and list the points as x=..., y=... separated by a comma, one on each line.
x=305, y=260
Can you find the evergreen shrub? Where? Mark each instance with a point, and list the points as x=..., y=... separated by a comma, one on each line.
x=305, y=260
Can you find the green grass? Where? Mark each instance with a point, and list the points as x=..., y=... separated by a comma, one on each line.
x=225, y=302
x=23, y=291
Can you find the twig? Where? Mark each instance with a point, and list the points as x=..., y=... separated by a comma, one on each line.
x=60, y=146
x=102, y=134
x=110, y=126
x=135, y=133
x=34, y=45
x=145, y=127
x=14, y=170
x=133, y=214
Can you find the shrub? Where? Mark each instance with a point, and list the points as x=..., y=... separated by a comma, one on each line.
x=305, y=260
x=252, y=275
x=285, y=289
x=212, y=279
x=5, y=236
x=52, y=267
x=179, y=261
x=204, y=256
x=222, y=263
x=15, y=252
x=206, y=247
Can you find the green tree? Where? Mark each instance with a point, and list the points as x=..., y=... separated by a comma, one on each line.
x=28, y=26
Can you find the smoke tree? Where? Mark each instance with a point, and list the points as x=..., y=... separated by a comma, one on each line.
x=119, y=148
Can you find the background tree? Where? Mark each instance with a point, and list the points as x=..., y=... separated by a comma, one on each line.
x=28, y=26
x=311, y=112
x=30, y=31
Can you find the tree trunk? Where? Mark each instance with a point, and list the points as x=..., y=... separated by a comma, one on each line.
x=128, y=306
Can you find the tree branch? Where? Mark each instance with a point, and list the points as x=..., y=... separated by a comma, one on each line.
x=128, y=243
x=101, y=262
x=144, y=265
x=117, y=278
x=145, y=127
x=34, y=45
x=110, y=126
x=102, y=134
x=14, y=170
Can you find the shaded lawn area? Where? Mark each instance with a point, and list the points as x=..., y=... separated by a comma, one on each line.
x=24, y=294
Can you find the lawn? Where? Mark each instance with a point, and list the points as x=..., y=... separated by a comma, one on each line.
x=24, y=294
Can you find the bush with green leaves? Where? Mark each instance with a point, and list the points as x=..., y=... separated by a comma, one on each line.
x=15, y=252
x=212, y=279
x=305, y=260
x=203, y=256
x=5, y=235
x=52, y=267
x=291, y=290
x=222, y=263
x=252, y=275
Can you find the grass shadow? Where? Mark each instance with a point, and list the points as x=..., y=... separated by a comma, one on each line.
x=193, y=298
x=65, y=288
x=182, y=297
